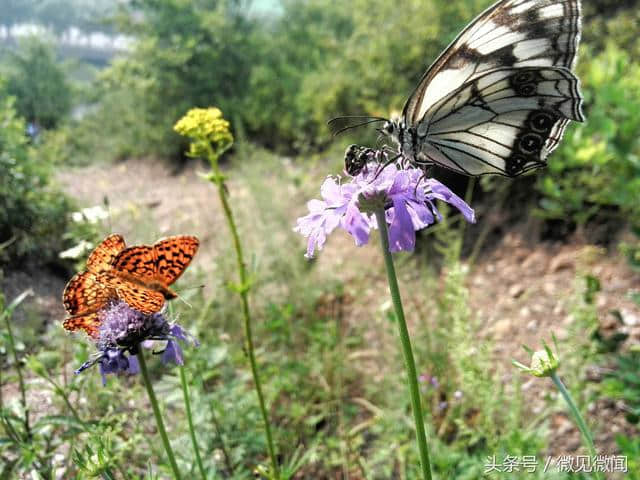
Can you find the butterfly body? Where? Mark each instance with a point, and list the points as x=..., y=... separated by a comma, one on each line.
x=116, y=278
x=498, y=99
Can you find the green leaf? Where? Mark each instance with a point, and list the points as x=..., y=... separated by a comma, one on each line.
x=59, y=420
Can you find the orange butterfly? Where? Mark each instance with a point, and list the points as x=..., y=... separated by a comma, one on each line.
x=139, y=275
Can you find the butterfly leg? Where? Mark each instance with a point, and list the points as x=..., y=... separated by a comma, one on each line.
x=386, y=164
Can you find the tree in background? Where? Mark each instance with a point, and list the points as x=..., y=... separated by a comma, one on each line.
x=39, y=84
x=186, y=53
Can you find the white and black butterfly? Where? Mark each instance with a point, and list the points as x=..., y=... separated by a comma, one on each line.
x=500, y=96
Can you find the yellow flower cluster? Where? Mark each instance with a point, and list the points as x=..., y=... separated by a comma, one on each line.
x=206, y=127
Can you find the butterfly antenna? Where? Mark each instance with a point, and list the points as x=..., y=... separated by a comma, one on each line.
x=188, y=288
x=184, y=301
x=368, y=120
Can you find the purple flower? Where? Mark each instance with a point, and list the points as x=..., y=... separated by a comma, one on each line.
x=122, y=325
x=173, y=353
x=123, y=330
x=408, y=200
x=115, y=361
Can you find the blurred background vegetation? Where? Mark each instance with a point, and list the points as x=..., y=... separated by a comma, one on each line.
x=98, y=83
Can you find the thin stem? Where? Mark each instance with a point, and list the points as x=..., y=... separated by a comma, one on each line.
x=1, y=397
x=577, y=417
x=223, y=447
x=412, y=376
x=187, y=406
x=244, y=288
x=107, y=474
x=157, y=414
x=60, y=391
x=23, y=389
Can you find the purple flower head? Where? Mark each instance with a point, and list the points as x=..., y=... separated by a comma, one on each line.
x=408, y=199
x=122, y=325
x=123, y=330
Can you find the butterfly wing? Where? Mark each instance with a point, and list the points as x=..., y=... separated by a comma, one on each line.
x=500, y=122
x=84, y=296
x=138, y=262
x=84, y=293
x=102, y=257
x=142, y=274
x=511, y=33
x=89, y=322
x=138, y=296
x=133, y=276
x=173, y=255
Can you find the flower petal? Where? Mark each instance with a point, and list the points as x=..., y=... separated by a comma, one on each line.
x=441, y=192
x=402, y=235
x=173, y=353
x=134, y=365
x=356, y=224
x=331, y=192
x=421, y=215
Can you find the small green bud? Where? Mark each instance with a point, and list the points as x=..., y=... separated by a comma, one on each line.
x=543, y=362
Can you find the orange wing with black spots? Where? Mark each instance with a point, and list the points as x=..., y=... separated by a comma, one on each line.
x=141, y=274
x=101, y=258
x=137, y=261
x=89, y=322
x=138, y=295
x=87, y=293
x=173, y=256
x=84, y=296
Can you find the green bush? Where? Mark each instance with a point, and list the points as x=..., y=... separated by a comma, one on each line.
x=32, y=213
x=186, y=54
x=39, y=84
x=597, y=166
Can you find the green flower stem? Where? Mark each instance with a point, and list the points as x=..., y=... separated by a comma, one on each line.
x=157, y=414
x=244, y=288
x=577, y=417
x=187, y=406
x=60, y=391
x=412, y=377
x=23, y=388
x=223, y=447
x=107, y=474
